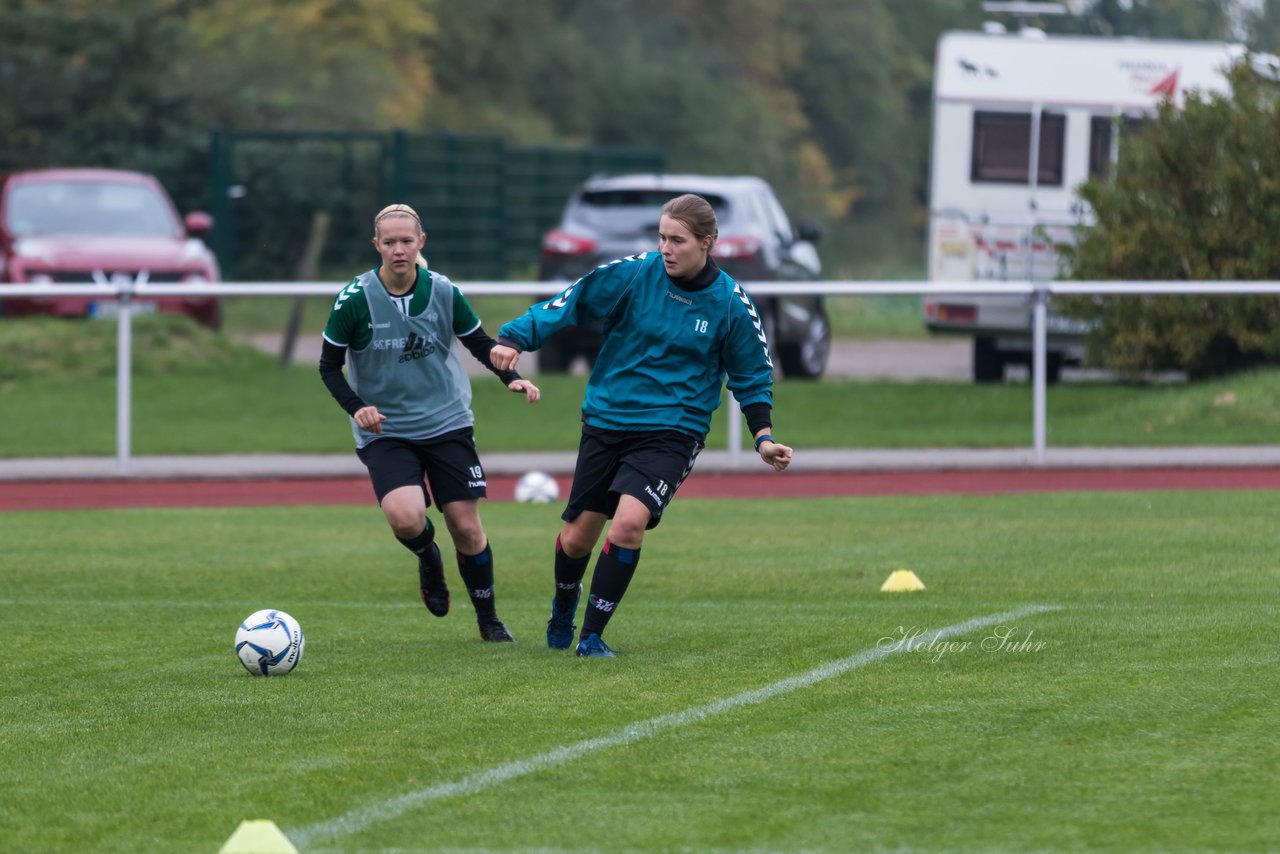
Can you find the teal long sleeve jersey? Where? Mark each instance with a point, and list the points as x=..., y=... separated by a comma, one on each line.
x=666, y=349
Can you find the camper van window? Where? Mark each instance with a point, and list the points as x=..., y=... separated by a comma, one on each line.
x=1100, y=130
x=1002, y=148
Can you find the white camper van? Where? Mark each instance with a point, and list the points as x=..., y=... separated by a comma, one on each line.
x=1020, y=120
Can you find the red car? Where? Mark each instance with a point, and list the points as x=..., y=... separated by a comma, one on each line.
x=86, y=225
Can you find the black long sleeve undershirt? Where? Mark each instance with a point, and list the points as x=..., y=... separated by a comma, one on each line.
x=758, y=417
x=480, y=343
x=333, y=358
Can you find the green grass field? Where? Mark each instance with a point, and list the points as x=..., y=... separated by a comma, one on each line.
x=1106, y=681
x=195, y=392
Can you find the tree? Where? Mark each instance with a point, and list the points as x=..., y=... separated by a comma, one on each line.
x=90, y=84
x=1264, y=27
x=1153, y=19
x=310, y=64
x=1196, y=196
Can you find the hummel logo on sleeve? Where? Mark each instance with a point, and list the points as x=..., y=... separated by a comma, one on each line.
x=346, y=293
x=755, y=320
x=559, y=302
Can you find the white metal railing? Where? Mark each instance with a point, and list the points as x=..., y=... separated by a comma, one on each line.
x=126, y=292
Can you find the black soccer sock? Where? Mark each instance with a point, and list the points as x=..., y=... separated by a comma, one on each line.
x=614, y=569
x=419, y=544
x=569, y=572
x=477, y=574
x=435, y=591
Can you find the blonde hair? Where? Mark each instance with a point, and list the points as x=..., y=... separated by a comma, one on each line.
x=400, y=210
x=396, y=210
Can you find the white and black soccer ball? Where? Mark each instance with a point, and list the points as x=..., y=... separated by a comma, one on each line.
x=269, y=643
x=537, y=487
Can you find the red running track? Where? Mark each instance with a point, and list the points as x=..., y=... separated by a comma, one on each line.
x=97, y=494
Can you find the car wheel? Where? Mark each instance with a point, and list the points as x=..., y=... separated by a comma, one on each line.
x=208, y=314
x=215, y=317
x=807, y=358
x=988, y=361
x=1053, y=368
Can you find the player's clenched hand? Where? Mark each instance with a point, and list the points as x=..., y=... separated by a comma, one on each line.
x=504, y=358
x=370, y=419
x=778, y=456
x=529, y=390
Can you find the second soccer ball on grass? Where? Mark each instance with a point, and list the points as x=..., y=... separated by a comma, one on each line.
x=537, y=487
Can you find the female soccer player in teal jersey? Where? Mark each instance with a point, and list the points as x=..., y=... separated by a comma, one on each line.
x=410, y=405
x=674, y=326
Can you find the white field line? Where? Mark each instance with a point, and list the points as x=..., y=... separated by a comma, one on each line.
x=358, y=819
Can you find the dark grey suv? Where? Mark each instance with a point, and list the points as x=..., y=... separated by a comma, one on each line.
x=613, y=217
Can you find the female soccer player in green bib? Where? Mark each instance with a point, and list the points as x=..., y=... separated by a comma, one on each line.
x=409, y=400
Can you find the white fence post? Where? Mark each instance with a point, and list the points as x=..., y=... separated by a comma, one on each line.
x=124, y=383
x=124, y=368
x=733, y=414
x=1039, y=372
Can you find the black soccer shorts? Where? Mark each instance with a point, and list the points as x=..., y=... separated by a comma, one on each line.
x=448, y=462
x=648, y=465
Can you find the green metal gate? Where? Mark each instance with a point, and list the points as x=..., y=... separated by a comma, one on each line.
x=484, y=204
